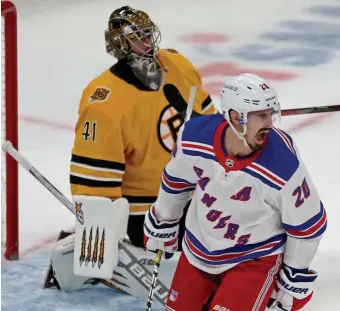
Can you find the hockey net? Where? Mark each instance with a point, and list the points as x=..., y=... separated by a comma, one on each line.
x=9, y=131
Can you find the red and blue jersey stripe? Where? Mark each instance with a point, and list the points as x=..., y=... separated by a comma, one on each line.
x=198, y=149
x=310, y=229
x=266, y=176
x=175, y=185
x=278, y=161
x=235, y=254
x=286, y=139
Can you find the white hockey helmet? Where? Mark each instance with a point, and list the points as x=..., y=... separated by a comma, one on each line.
x=247, y=93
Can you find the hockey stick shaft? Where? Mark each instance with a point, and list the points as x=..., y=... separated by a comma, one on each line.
x=290, y=112
x=8, y=147
x=154, y=280
x=16, y=155
x=180, y=105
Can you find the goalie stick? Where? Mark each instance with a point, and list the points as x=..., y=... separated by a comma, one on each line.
x=177, y=101
x=135, y=268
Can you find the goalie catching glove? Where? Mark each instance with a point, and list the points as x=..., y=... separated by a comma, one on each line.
x=293, y=289
x=160, y=235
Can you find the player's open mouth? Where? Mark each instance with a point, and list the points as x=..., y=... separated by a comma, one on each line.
x=260, y=137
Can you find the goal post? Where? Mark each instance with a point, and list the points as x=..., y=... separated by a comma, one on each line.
x=9, y=131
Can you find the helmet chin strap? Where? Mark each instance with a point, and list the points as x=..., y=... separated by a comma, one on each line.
x=241, y=135
x=243, y=122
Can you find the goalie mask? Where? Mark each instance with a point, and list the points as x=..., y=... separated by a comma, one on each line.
x=132, y=36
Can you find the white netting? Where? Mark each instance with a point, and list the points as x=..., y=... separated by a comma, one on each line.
x=3, y=138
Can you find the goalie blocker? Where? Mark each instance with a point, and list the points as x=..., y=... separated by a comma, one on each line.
x=100, y=225
x=92, y=251
x=90, y=256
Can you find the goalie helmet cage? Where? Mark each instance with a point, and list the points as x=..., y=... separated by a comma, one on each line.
x=9, y=131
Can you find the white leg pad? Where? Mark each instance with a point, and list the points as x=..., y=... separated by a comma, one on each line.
x=100, y=225
x=62, y=264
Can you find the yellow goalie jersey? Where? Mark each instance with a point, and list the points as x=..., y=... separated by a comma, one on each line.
x=125, y=132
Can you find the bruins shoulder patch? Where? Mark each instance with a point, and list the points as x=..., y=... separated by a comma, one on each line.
x=100, y=94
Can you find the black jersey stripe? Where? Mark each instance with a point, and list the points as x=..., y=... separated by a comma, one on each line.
x=147, y=200
x=76, y=180
x=98, y=163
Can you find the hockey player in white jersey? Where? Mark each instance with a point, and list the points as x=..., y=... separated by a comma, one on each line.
x=255, y=220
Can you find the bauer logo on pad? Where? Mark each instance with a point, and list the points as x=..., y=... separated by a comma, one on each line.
x=99, y=95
